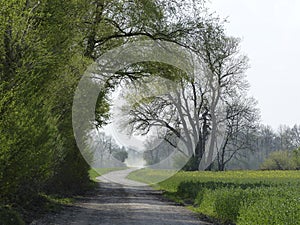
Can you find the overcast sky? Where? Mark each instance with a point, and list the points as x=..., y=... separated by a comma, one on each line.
x=270, y=30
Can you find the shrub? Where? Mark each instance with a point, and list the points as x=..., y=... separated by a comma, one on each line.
x=206, y=203
x=278, y=160
x=10, y=217
x=189, y=191
x=200, y=197
x=227, y=204
x=296, y=158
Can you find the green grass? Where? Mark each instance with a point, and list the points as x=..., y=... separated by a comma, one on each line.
x=57, y=200
x=96, y=172
x=234, y=197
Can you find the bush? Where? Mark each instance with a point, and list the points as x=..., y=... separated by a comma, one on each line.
x=71, y=176
x=10, y=217
x=205, y=203
x=279, y=160
x=189, y=191
x=227, y=204
x=296, y=158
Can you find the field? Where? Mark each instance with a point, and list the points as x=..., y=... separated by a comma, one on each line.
x=234, y=197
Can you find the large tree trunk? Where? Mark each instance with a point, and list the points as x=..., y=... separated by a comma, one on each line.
x=91, y=39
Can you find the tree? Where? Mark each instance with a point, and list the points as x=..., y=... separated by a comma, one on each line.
x=264, y=141
x=45, y=47
x=158, y=150
x=106, y=152
x=241, y=126
x=189, y=112
x=121, y=155
x=279, y=160
x=28, y=132
x=289, y=138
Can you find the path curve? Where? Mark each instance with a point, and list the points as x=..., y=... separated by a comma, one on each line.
x=119, y=177
x=116, y=204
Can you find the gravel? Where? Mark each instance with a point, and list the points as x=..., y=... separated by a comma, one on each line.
x=122, y=203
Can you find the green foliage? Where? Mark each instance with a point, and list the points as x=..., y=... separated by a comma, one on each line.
x=10, y=217
x=282, y=160
x=37, y=65
x=296, y=158
x=227, y=205
x=189, y=196
x=45, y=47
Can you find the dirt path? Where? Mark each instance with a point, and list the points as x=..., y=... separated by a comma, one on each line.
x=116, y=204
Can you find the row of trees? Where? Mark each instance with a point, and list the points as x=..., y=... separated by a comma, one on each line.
x=215, y=95
x=45, y=47
x=41, y=62
x=254, y=147
x=106, y=152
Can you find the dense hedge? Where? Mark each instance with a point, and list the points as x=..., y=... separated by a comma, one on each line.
x=39, y=71
x=9, y=216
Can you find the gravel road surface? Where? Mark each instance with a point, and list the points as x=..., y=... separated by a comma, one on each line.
x=122, y=203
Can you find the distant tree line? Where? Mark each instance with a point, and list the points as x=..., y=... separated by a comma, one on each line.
x=262, y=148
x=106, y=152
x=268, y=143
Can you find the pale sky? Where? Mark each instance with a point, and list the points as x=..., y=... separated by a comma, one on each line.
x=270, y=32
